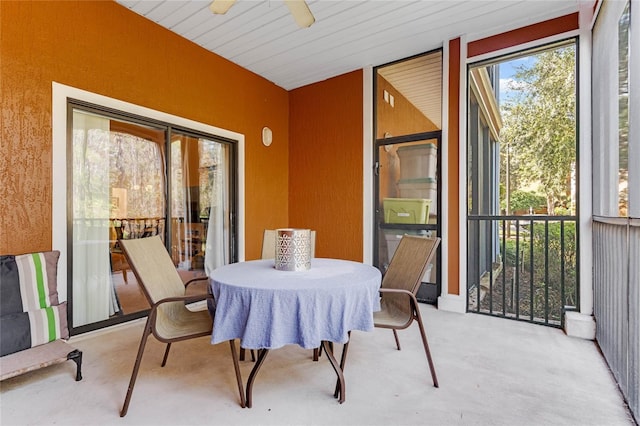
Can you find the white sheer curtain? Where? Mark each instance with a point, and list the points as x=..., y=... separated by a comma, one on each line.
x=217, y=247
x=93, y=295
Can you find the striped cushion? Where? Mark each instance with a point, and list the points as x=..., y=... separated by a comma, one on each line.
x=30, y=313
x=28, y=282
x=24, y=330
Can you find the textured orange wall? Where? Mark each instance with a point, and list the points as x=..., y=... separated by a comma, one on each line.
x=104, y=48
x=325, y=164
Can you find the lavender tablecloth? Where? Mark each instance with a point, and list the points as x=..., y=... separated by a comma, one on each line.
x=267, y=308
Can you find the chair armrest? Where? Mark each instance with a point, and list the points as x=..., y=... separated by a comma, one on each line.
x=412, y=297
x=201, y=296
x=186, y=299
x=192, y=280
x=395, y=290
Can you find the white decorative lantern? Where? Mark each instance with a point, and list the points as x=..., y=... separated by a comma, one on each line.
x=293, y=249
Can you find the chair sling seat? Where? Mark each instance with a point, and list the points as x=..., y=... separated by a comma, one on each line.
x=391, y=316
x=181, y=322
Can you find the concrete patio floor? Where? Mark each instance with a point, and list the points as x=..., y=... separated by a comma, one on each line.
x=491, y=372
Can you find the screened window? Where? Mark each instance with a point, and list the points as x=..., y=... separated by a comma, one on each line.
x=623, y=112
x=616, y=185
x=522, y=185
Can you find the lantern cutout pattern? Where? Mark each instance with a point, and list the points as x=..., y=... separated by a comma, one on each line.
x=293, y=249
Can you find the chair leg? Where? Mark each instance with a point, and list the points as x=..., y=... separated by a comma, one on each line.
x=136, y=367
x=242, y=354
x=317, y=352
x=166, y=355
x=395, y=334
x=426, y=348
x=236, y=367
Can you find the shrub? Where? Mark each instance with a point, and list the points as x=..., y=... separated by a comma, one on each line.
x=559, y=258
x=523, y=200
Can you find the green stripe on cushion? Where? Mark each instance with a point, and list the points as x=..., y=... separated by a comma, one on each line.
x=46, y=325
x=42, y=294
x=51, y=324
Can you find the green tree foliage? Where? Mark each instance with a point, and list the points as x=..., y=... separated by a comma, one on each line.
x=523, y=200
x=540, y=125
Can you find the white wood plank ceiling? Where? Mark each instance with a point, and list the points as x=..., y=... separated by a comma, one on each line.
x=262, y=36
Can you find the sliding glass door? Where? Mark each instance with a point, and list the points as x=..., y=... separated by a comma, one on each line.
x=136, y=178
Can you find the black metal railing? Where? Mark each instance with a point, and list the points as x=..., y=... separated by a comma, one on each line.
x=523, y=267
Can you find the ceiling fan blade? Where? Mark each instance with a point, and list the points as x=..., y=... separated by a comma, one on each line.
x=301, y=12
x=221, y=6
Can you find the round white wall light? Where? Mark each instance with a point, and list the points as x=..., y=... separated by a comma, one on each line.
x=267, y=136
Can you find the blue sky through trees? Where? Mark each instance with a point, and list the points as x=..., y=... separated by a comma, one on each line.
x=508, y=70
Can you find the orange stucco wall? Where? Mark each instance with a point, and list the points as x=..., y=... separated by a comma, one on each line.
x=325, y=164
x=104, y=48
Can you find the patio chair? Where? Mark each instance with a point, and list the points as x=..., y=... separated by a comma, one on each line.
x=169, y=319
x=399, y=306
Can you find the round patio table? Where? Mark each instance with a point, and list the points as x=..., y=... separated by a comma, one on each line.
x=267, y=308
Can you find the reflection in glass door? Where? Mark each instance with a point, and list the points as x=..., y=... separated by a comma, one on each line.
x=117, y=192
x=133, y=179
x=199, y=199
x=407, y=199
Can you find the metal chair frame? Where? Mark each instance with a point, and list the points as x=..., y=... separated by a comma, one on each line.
x=401, y=283
x=195, y=323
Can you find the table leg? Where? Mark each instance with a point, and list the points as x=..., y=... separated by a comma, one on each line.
x=343, y=361
x=337, y=368
x=262, y=354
